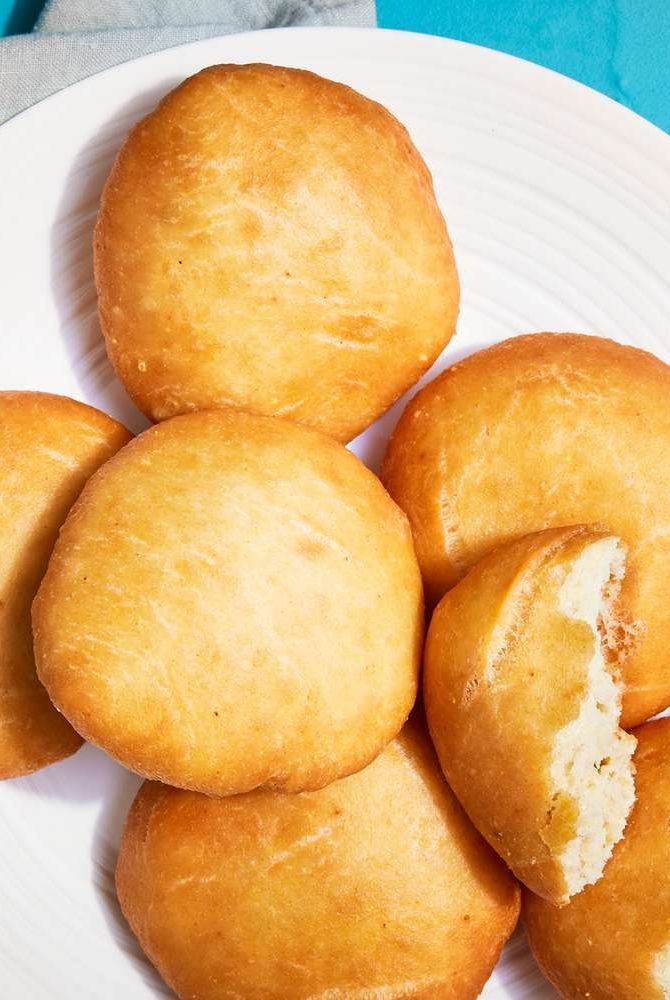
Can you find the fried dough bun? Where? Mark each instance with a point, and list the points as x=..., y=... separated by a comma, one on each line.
x=523, y=702
x=49, y=446
x=270, y=240
x=542, y=431
x=233, y=602
x=613, y=939
x=377, y=885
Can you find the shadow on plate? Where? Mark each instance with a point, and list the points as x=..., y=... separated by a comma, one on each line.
x=71, y=255
x=83, y=777
x=371, y=444
x=107, y=834
x=89, y=776
x=517, y=974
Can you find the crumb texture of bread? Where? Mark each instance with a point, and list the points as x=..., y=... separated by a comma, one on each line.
x=661, y=970
x=537, y=432
x=523, y=704
x=591, y=758
x=612, y=940
x=233, y=602
x=49, y=447
x=376, y=887
x=270, y=240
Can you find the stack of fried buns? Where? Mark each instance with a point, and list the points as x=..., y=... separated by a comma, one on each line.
x=231, y=605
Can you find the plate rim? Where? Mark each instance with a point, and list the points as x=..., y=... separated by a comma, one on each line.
x=592, y=107
x=608, y=104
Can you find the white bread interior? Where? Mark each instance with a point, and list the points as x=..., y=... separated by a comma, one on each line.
x=591, y=760
x=661, y=970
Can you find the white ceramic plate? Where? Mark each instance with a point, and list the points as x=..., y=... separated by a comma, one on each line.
x=557, y=201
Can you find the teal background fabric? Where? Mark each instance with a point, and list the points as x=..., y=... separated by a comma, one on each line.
x=620, y=47
x=17, y=16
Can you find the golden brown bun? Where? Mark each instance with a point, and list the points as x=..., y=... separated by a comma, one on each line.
x=541, y=431
x=270, y=240
x=523, y=711
x=609, y=942
x=234, y=601
x=374, y=886
x=49, y=446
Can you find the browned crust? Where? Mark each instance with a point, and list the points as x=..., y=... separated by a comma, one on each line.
x=49, y=446
x=270, y=240
x=216, y=595
x=504, y=672
x=377, y=881
x=603, y=943
x=535, y=432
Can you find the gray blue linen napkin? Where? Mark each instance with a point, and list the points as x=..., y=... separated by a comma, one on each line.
x=75, y=38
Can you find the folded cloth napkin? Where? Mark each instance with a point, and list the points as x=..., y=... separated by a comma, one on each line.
x=75, y=38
